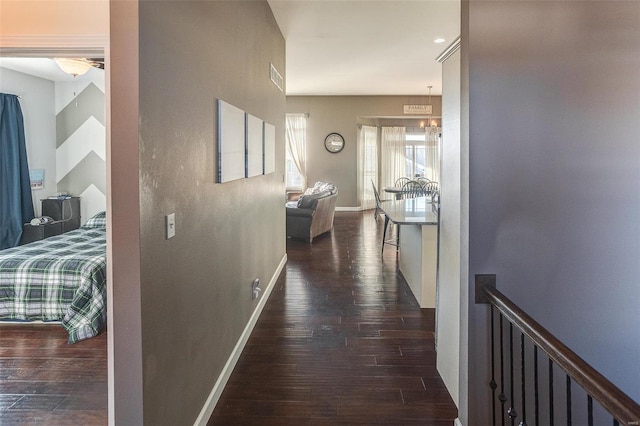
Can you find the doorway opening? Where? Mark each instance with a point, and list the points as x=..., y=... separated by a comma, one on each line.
x=67, y=136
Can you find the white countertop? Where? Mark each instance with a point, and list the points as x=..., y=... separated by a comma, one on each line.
x=411, y=211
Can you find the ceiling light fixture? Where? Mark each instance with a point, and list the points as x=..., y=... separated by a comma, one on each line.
x=439, y=40
x=73, y=66
x=431, y=122
x=430, y=107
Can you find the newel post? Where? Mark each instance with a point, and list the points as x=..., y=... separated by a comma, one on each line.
x=484, y=280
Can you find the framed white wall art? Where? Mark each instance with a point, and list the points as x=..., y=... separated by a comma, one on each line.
x=269, y=148
x=254, y=146
x=231, y=142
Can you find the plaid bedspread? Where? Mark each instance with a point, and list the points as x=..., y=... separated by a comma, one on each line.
x=61, y=278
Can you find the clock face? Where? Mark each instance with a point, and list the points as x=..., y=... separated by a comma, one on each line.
x=334, y=142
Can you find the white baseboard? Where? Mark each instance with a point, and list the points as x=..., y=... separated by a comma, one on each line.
x=457, y=422
x=214, y=396
x=349, y=209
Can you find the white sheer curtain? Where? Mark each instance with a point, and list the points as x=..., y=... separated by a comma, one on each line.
x=432, y=153
x=393, y=155
x=296, y=125
x=368, y=159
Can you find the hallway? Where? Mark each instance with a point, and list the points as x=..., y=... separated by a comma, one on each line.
x=341, y=341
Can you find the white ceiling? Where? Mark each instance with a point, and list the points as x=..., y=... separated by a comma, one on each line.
x=365, y=47
x=345, y=47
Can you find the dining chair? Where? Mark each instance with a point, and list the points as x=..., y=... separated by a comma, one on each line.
x=412, y=189
x=401, y=181
x=423, y=180
x=378, y=201
x=431, y=188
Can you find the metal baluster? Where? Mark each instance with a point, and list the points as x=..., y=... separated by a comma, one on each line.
x=492, y=383
x=568, y=400
x=523, y=422
x=502, y=396
x=613, y=400
x=535, y=384
x=512, y=410
x=550, y=392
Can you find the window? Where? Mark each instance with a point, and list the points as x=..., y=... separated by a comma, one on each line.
x=415, y=164
x=295, y=162
x=294, y=179
x=368, y=154
x=422, y=157
x=410, y=152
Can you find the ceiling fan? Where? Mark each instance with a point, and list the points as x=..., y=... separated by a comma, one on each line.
x=96, y=62
x=79, y=66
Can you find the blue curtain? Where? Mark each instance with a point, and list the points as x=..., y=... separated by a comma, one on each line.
x=16, y=204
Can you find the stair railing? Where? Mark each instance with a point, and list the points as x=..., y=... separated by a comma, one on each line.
x=527, y=390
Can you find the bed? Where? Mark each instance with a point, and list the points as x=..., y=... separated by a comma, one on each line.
x=61, y=278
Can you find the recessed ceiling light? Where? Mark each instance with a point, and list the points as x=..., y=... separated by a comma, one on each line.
x=439, y=40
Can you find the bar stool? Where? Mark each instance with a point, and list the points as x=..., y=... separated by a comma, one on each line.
x=393, y=242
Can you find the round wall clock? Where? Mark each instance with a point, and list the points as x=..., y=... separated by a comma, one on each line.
x=334, y=142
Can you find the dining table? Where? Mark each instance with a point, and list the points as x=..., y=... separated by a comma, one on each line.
x=396, y=190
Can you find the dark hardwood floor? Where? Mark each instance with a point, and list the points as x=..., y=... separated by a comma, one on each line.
x=45, y=381
x=341, y=341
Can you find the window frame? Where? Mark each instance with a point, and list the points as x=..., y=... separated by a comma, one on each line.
x=294, y=181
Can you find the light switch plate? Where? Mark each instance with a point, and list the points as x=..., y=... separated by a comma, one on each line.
x=170, y=221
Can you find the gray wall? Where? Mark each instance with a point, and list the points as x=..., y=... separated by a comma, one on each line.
x=195, y=297
x=80, y=141
x=342, y=114
x=554, y=176
x=38, y=110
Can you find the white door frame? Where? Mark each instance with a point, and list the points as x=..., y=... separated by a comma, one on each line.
x=78, y=46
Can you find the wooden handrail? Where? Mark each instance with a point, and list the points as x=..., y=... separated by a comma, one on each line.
x=620, y=405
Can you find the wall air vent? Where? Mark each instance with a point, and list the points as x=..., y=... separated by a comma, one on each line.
x=276, y=77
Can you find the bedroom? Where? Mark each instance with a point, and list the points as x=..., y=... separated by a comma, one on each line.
x=64, y=127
